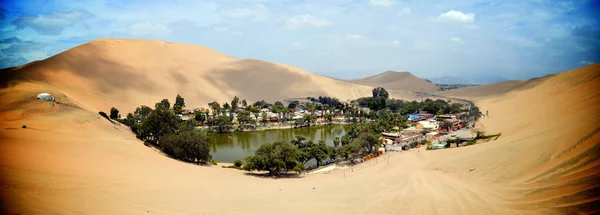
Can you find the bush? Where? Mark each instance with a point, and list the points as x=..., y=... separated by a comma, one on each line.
x=237, y=163
x=212, y=162
x=413, y=144
x=471, y=142
x=114, y=113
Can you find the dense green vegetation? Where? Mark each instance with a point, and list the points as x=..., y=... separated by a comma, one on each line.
x=162, y=128
x=404, y=107
x=276, y=158
x=187, y=145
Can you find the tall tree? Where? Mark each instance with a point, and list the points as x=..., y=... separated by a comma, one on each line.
x=159, y=122
x=380, y=92
x=311, y=108
x=244, y=103
x=264, y=118
x=351, y=151
x=369, y=141
x=304, y=146
x=309, y=119
x=199, y=116
x=142, y=111
x=215, y=107
x=329, y=117
x=243, y=118
x=320, y=152
x=235, y=103
x=114, y=113
x=179, y=101
x=164, y=103
x=254, y=110
x=276, y=158
x=223, y=122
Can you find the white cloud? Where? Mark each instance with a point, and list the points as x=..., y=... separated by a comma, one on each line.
x=259, y=13
x=457, y=40
x=395, y=43
x=457, y=16
x=381, y=3
x=51, y=24
x=149, y=29
x=585, y=62
x=306, y=21
x=404, y=11
x=354, y=36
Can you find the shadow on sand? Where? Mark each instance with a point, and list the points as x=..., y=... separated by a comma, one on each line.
x=281, y=176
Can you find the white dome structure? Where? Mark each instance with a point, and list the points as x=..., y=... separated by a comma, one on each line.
x=45, y=97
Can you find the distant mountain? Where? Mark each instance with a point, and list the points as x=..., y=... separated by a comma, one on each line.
x=477, y=80
x=392, y=80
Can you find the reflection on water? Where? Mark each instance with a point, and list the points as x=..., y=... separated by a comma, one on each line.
x=227, y=147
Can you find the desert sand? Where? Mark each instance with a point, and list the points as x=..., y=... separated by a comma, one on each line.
x=397, y=81
x=126, y=73
x=69, y=160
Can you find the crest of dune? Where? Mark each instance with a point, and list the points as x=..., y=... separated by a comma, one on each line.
x=70, y=160
x=397, y=81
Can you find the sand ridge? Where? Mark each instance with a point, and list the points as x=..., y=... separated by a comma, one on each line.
x=397, y=81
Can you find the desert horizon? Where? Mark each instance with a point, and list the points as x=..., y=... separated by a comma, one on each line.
x=247, y=108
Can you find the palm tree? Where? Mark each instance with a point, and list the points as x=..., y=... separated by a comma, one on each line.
x=329, y=117
x=215, y=107
x=311, y=108
x=289, y=114
x=308, y=118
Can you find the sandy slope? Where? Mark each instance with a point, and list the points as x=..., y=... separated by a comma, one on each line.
x=495, y=89
x=71, y=161
x=397, y=81
x=126, y=73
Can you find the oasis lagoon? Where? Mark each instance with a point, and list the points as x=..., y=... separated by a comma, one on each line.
x=227, y=147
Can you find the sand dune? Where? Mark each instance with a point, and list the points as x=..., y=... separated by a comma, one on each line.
x=495, y=89
x=71, y=161
x=126, y=73
x=397, y=81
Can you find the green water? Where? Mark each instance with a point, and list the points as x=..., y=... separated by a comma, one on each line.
x=227, y=147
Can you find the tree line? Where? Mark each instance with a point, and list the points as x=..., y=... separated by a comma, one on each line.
x=380, y=100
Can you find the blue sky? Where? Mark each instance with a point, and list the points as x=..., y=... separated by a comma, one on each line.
x=338, y=38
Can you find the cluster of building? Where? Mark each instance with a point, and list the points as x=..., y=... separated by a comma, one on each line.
x=426, y=127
